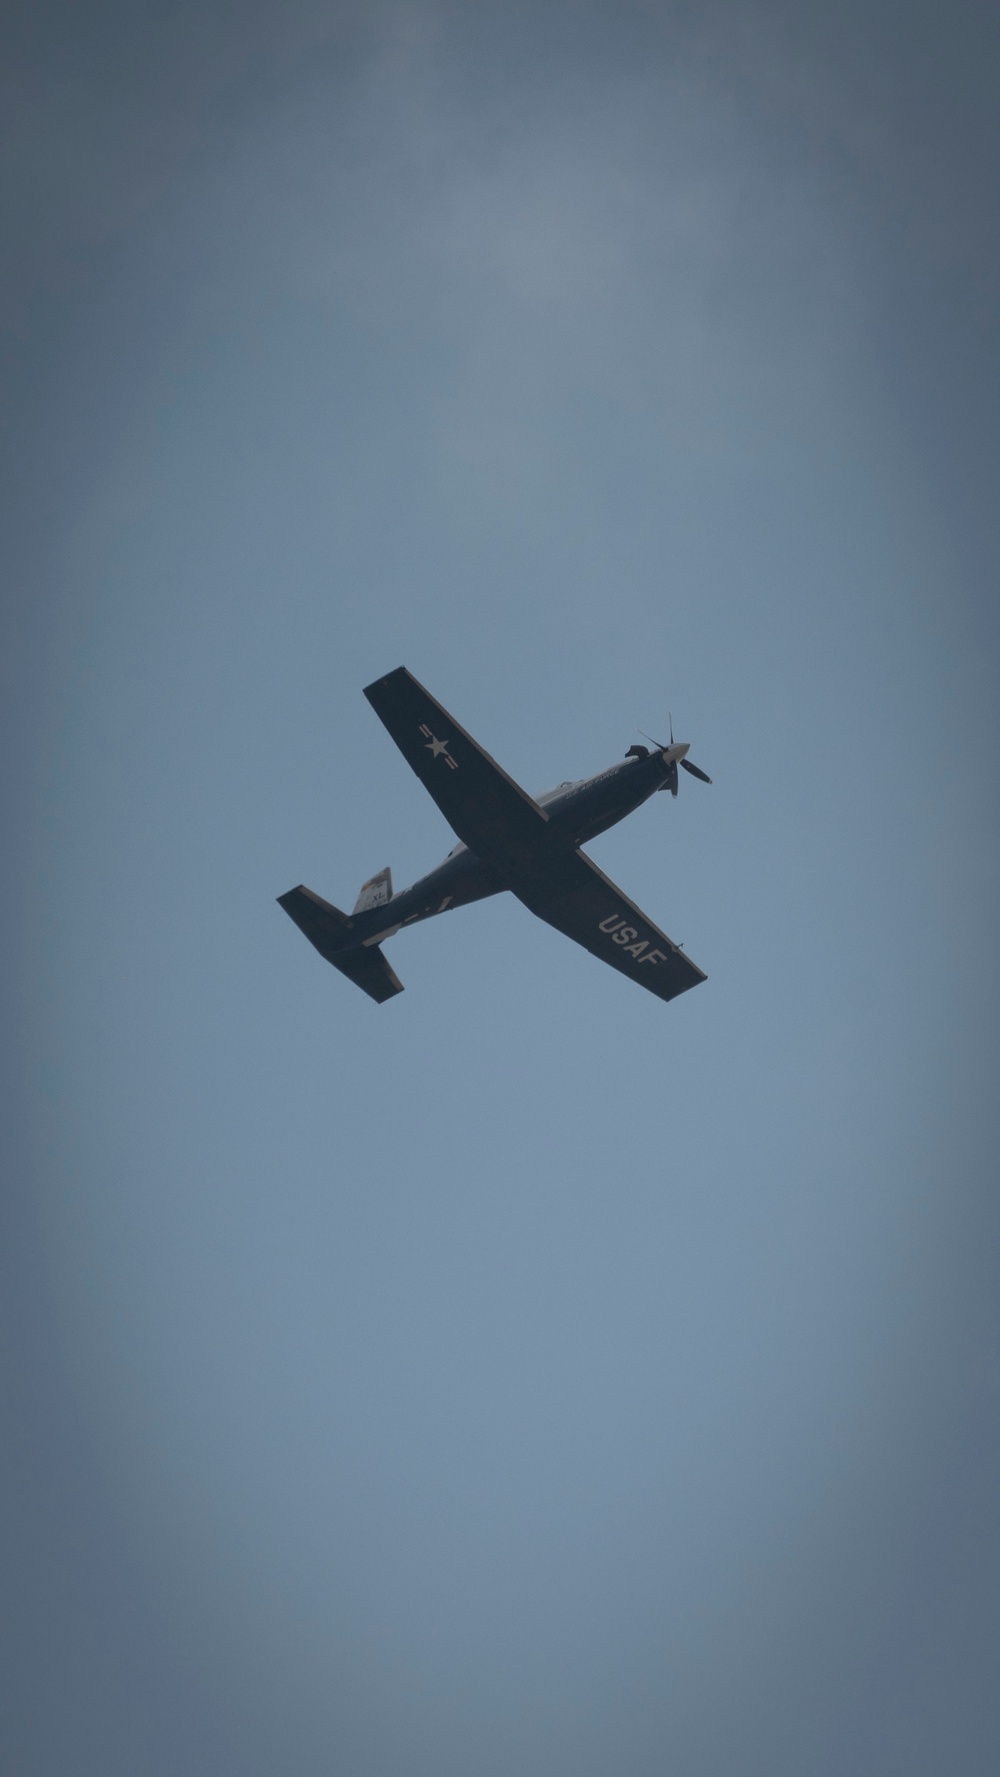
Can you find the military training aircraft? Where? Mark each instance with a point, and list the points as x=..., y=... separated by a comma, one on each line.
x=506, y=841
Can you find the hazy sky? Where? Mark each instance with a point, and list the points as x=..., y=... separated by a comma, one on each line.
x=523, y=1377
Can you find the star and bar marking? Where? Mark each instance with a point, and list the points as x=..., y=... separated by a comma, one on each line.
x=438, y=749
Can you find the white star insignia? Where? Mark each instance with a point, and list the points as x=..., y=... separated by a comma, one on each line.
x=438, y=749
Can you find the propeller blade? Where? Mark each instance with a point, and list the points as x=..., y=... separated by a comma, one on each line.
x=695, y=772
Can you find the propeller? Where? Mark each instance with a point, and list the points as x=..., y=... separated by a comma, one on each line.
x=670, y=782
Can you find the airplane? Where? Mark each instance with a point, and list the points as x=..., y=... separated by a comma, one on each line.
x=506, y=840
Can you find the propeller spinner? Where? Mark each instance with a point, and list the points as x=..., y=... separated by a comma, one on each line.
x=674, y=755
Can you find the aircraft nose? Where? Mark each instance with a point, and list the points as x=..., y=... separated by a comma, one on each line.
x=677, y=751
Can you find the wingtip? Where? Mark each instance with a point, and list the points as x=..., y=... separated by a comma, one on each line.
x=384, y=678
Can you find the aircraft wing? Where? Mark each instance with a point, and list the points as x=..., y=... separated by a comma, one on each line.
x=490, y=813
x=578, y=899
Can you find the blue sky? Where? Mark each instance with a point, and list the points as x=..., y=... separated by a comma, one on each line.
x=520, y=1376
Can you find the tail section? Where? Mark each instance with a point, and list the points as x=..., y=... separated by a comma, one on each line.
x=375, y=892
x=330, y=931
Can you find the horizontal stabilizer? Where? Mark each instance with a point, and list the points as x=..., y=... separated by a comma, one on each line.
x=330, y=931
x=324, y=925
x=368, y=969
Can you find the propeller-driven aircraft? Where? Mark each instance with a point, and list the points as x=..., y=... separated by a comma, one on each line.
x=506, y=840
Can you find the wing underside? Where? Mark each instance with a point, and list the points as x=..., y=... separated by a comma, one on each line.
x=490, y=813
x=579, y=900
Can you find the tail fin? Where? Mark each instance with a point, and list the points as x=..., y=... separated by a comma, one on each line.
x=375, y=892
x=329, y=931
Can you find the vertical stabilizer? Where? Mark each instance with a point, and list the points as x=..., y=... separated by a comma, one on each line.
x=376, y=892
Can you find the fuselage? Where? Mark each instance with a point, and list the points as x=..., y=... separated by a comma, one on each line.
x=577, y=812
